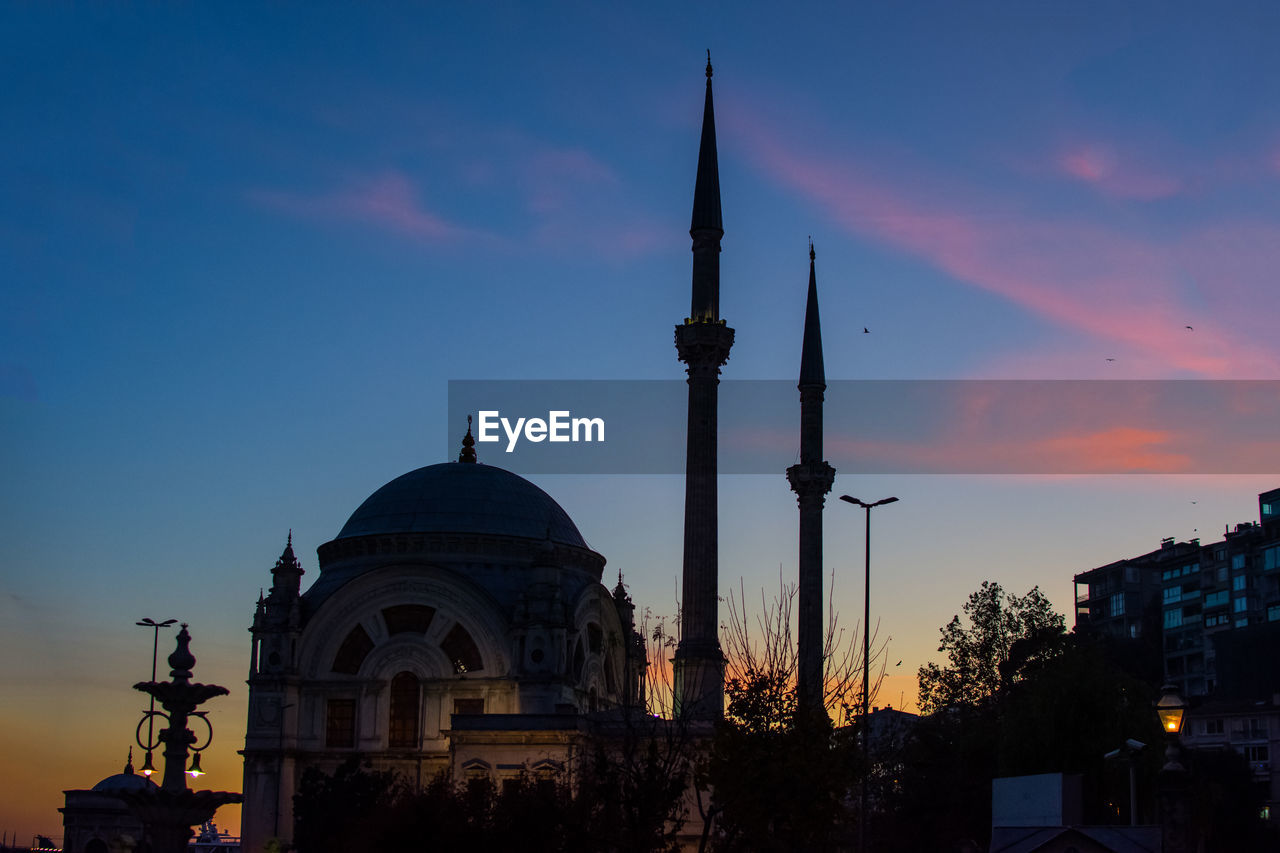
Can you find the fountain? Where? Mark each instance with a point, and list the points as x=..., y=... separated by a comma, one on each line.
x=170, y=811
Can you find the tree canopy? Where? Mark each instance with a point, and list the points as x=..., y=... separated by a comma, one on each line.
x=1000, y=636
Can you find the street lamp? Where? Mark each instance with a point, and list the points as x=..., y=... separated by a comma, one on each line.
x=1175, y=809
x=866, y=664
x=146, y=622
x=1171, y=708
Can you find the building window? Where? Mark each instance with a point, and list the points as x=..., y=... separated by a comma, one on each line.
x=1173, y=618
x=1240, y=605
x=353, y=651
x=1257, y=753
x=1217, y=599
x=1273, y=613
x=1172, y=594
x=1242, y=622
x=1220, y=554
x=468, y=706
x=405, y=701
x=1271, y=558
x=462, y=651
x=1117, y=604
x=340, y=724
x=1239, y=582
x=1237, y=561
x=1213, y=727
x=1268, y=509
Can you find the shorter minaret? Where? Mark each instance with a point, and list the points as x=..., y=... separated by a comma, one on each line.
x=811, y=480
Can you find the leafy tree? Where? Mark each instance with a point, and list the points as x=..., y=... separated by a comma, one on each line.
x=1002, y=635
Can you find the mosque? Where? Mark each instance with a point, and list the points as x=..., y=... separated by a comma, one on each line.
x=459, y=621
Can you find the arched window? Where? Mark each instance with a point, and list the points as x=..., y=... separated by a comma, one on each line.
x=405, y=701
x=354, y=649
x=462, y=651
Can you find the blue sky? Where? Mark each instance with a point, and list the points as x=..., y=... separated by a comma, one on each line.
x=244, y=249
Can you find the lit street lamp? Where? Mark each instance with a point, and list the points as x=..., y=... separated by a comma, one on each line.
x=146, y=622
x=1175, y=808
x=866, y=666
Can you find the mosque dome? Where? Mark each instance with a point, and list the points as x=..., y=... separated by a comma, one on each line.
x=462, y=497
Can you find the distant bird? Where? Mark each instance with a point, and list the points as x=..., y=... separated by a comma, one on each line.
x=1111, y=359
x=865, y=330
x=1193, y=501
x=1190, y=329
x=899, y=663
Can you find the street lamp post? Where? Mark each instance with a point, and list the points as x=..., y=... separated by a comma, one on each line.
x=1175, y=815
x=866, y=666
x=146, y=622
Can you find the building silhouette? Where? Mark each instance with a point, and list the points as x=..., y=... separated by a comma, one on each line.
x=459, y=622
x=1195, y=603
x=1211, y=615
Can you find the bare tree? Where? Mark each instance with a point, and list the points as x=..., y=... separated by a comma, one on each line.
x=762, y=650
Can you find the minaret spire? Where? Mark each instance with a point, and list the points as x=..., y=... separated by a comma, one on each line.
x=703, y=342
x=811, y=480
x=706, y=227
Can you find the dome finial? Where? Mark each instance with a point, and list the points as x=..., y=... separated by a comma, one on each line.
x=128, y=764
x=468, y=453
x=811, y=253
x=289, y=543
x=708, y=63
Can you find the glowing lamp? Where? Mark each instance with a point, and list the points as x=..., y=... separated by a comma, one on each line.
x=195, y=769
x=1170, y=709
x=147, y=767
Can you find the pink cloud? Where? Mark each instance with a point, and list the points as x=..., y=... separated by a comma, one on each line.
x=1076, y=273
x=389, y=200
x=1101, y=167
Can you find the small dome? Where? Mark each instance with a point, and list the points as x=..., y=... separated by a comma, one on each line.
x=462, y=497
x=127, y=781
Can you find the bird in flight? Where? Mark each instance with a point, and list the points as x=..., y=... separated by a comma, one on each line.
x=865, y=330
x=1111, y=359
x=1190, y=329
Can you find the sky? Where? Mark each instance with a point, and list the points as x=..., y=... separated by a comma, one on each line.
x=244, y=249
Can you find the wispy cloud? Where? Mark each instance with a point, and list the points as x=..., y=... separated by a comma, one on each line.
x=1114, y=175
x=554, y=177
x=388, y=200
x=1126, y=291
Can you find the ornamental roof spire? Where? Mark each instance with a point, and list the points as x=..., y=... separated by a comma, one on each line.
x=468, y=453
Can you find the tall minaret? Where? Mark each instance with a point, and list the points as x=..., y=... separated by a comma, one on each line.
x=811, y=480
x=703, y=342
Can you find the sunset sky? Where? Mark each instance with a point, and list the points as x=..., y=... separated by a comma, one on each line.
x=244, y=249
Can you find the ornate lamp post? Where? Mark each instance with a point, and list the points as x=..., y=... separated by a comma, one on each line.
x=169, y=812
x=1175, y=808
x=866, y=667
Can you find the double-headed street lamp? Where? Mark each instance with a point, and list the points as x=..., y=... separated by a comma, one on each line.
x=146, y=622
x=866, y=664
